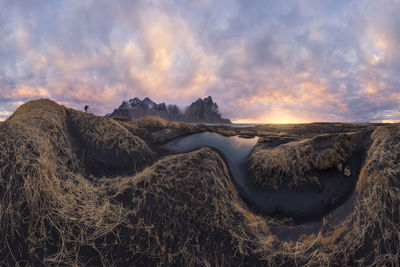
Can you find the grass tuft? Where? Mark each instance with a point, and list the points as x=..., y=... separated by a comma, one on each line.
x=290, y=162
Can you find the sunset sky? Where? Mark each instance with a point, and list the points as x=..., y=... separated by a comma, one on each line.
x=261, y=61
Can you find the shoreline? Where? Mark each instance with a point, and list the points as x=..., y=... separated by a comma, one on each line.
x=256, y=197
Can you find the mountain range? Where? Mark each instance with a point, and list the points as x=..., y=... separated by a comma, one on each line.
x=202, y=110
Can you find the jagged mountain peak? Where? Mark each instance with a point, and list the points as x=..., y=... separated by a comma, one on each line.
x=202, y=110
x=148, y=100
x=208, y=99
x=134, y=101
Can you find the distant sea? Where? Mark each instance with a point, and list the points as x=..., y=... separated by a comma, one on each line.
x=235, y=125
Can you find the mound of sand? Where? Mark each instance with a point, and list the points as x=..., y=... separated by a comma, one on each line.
x=183, y=211
x=291, y=162
x=46, y=154
x=369, y=235
x=52, y=211
x=156, y=130
x=179, y=210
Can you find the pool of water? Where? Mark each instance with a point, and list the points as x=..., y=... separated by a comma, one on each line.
x=233, y=148
x=233, y=125
x=301, y=205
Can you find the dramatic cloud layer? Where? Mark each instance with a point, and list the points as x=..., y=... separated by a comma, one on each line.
x=263, y=61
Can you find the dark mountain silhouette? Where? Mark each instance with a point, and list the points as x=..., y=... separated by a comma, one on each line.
x=202, y=110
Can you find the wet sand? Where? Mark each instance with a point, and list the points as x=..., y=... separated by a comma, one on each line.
x=302, y=205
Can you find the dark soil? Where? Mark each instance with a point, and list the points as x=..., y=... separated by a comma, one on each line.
x=305, y=204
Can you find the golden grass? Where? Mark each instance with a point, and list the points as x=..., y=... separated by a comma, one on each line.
x=370, y=235
x=188, y=217
x=289, y=162
x=108, y=145
x=156, y=130
x=45, y=197
x=181, y=210
x=52, y=213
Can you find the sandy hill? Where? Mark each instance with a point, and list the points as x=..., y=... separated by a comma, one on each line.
x=77, y=189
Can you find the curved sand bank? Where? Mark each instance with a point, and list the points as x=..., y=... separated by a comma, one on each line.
x=300, y=204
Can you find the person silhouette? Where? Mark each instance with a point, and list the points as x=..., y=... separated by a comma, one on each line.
x=86, y=108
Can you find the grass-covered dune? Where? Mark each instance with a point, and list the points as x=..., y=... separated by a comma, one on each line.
x=156, y=130
x=290, y=162
x=77, y=189
x=56, y=209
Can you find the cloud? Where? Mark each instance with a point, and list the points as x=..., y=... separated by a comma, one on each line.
x=7, y=107
x=260, y=60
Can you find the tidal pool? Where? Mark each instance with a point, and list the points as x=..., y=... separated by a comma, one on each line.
x=301, y=205
x=233, y=148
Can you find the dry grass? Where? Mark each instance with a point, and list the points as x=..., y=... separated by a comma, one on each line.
x=289, y=162
x=182, y=210
x=156, y=130
x=49, y=211
x=307, y=130
x=108, y=145
x=52, y=213
x=183, y=213
x=370, y=235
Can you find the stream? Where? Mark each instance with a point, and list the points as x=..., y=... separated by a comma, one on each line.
x=302, y=205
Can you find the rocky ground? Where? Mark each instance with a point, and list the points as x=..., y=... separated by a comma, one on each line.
x=77, y=189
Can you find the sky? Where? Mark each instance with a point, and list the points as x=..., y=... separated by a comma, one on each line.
x=261, y=61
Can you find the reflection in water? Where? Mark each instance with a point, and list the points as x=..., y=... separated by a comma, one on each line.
x=233, y=148
x=300, y=205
